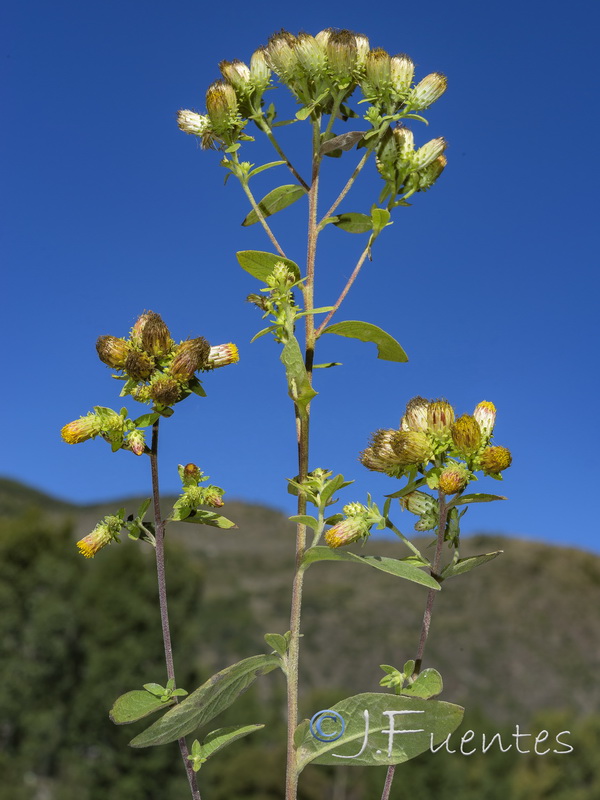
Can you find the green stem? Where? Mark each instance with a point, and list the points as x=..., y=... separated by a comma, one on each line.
x=345, y=291
x=302, y=427
x=267, y=130
x=261, y=217
x=348, y=185
x=426, y=624
x=159, y=525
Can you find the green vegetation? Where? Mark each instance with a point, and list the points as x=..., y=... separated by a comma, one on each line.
x=67, y=636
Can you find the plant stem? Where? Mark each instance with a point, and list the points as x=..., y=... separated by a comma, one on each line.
x=345, y=291
x=162, y=598
x=261, y=218
x=267, y=130
x=348, y=185
x=302, y=426
x=425, y=625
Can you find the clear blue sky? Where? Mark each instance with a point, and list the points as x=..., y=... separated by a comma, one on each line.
x=489, y=281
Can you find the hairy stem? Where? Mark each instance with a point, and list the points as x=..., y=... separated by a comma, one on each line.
x=345, y=291
x=426, y=624
x=268, y=131
x=348, y=185
x=162, y=598
x=302, y=426
x=261, y=218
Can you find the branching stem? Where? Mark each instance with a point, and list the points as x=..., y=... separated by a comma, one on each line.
x=426, y=624
x=159, y=525
x=345, y=291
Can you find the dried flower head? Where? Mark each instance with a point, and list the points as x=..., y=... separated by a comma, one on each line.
x=190, y=356
x=155, y=336
x=165, y=390
x=139, y=366
x=440, y=416
x=112, y=351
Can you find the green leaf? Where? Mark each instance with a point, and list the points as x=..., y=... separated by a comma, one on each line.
x=154, y=688
x=475, y=498
x=427, y=684
x=222, y=737
x=131, y=706
x=305, y=519
x=214, y=696
x=145, y=420
x=143, y=508
x=202, y=517
x=401, y=569
x=299, y=386
x=276, y=200
x=423, y=721
x=260, y=265
x=277, y=642
x=196, y=387
x=380, y=218
x=345, y=141
x=467, y=564
x=352, y=222
x=388, y=348
x=264, y=167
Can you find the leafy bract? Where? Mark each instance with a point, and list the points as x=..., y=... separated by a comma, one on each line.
x=478, y=497
x=276, y=200
x=299, y=386
x=402, y=569
x=202, y=517
x=214, y=696
x=260, y=264
x=388, y=348
x=381, y=729
x=427, y=684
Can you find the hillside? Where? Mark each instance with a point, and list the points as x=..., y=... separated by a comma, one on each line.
x=516, y=636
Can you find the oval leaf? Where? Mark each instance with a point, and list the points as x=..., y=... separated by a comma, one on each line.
x=393, y=566
x=345, y=141
x=201, y=517
x=467, y=564
x=260, y=265
x=214, y=696
x=381, y=729
x=353, y=222
x=131, y=706
x=276, y=200
x=427, y=684
x=299, y=386
x=388, y=348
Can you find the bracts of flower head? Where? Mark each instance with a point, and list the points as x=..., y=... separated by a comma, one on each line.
x=359, y=520
x=105, y=532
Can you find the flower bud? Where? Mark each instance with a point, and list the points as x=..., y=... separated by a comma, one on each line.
x=165, y=390
x=404, y=141
x=190, y=474
x=81, y=429
x=429, y=152
x=453, y=478
x=440, y=416
x=427, y=176
x=419, y=503
x=281, y=55
x=139, y=366
x=112, y=351
x=380, y=456
x=260, y=73
x=136, y=442
x=342, y=55
x=412, y=448
x=155, y=337
x=347, y=531
x=193, y=123
x=222, y=106
x=222, y=355
x=104, y=533
x=237, y=74
x=466, y=435
x=136, y=331
x=485, y=414
x=427, y=91
x=362, y=49
x=311, y=55
x=402, y=71
x=416, y=414
x=495, y=459
x=213, y=496
x=190, y=356
x=378, y=75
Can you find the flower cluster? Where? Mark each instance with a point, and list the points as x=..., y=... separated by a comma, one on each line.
x=194, y=495
x=354, y=525
x=105, y=532
x=322, y=72
x=430, y=435
x=155, y=369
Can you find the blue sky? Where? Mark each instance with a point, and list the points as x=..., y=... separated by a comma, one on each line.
x=489, y=281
